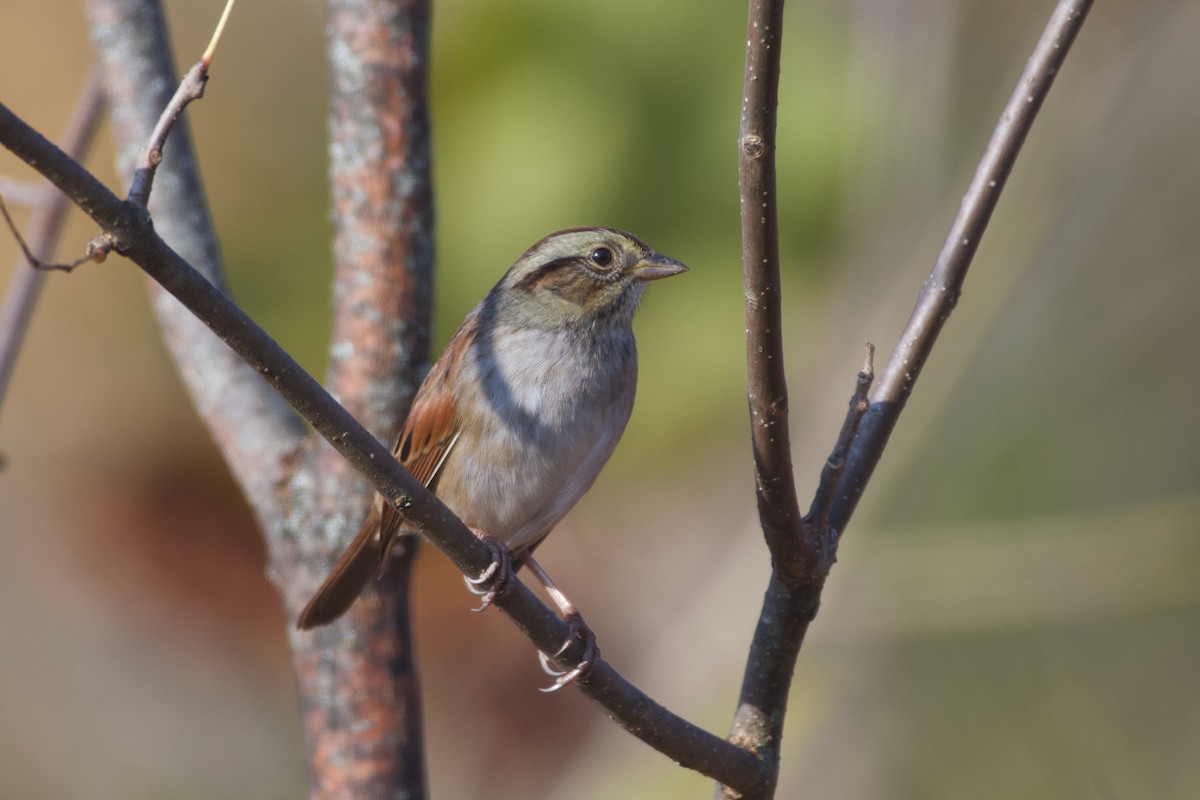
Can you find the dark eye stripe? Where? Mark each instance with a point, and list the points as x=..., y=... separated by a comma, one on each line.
x=538, y=275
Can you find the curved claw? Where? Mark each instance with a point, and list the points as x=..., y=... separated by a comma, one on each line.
x=494, y=580
x=591, y=653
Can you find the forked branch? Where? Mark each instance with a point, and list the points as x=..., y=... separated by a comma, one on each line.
x=803, y=551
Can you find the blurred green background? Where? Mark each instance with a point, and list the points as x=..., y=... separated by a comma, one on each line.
x=1016, y=611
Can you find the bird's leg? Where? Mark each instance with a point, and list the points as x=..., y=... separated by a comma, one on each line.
x=494, y=580
x=576, y=627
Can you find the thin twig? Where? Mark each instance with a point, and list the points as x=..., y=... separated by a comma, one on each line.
x=44, y=228
x=190, y=88
x=675, y=737
x=211, y=50
x=96, y=249
x=831, y=473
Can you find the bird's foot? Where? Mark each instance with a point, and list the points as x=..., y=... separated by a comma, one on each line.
x=493, y=581
x=591, y=653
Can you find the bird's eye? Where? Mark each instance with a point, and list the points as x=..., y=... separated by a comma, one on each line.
x=601, y=256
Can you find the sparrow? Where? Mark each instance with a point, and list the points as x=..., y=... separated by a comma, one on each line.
x=513, y=423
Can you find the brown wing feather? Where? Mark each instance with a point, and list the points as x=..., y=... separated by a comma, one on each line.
x=431, y=429
x=429, y=435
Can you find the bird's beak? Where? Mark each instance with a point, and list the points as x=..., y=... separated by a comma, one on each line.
x=655, y=266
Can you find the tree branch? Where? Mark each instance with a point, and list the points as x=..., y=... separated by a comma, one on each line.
x=835, y=465
x=778, y=505
x=944, y=285
x=801, y=562
x=44, y=228
x=190, y=88
x=135, y=237
x=792, y=594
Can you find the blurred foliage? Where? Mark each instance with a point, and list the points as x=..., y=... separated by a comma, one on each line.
x=1014, y=612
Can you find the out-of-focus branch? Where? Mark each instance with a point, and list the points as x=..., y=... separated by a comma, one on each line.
x=43, y=230
x=135, y=237
x=382, y=205
x=944, y=285
x=361, y=667
x=20, y=193
x=249, y=423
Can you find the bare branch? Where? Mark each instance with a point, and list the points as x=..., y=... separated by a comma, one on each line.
x=944, y=284
x=778, y=505
x=136, y=238
x=798, y=570
x=836, y=463
x=45, y=226
x=792, y=598
x=189, y=89
x=788, y=608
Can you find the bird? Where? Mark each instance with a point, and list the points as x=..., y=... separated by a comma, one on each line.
x=513, y=423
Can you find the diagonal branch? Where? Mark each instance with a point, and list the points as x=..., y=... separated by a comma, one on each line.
x=835, y=465
x=190, y=88
x=135, y=237
x=45, y=225
x=942, y=288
